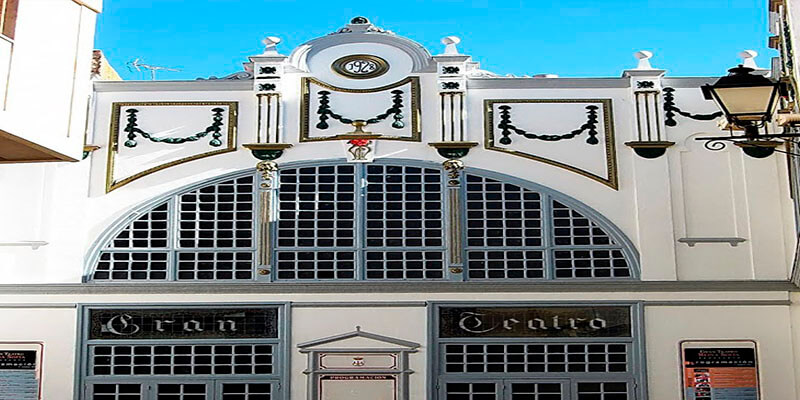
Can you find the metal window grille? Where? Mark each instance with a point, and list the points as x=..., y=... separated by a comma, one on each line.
x=116, y=391
x=502, y=215
x=316, y=207
x=190, y=237
x=195, y=359
x=215, y=266
x=510, y=264
x=405, y=264
x=115, y=266
x=316, y=265
x=148, y=231
x=363, y=222
x=517, y=233
x=539, y=357
x=470, y=391
x=591, y=264
x=536, y=391
x=181, y=391
x=572, y=228
x=602, y=391
x=246, y=391
x=219, y=215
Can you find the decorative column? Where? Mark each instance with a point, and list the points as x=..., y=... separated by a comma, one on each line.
x=650, y=130
x=650, y=173
x=267, y=72
x=452, y=86
x=452, y=70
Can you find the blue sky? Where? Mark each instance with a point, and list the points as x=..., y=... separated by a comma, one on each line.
x=564, y=37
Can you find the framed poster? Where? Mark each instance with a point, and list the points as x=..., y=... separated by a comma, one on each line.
x=20, y=370
x=720, y=370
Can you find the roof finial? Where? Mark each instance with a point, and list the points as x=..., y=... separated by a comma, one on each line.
x=644, y=59
x=749, y=59
x=359, y=21
x=358, y=328
x=450, y=43
x=271, y=44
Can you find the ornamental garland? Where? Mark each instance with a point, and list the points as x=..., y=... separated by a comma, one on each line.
x=214, y=129
x=507, y=127
x=670, y=109
x=324, y=111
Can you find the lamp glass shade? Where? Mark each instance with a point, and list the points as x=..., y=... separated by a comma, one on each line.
x=746, y=103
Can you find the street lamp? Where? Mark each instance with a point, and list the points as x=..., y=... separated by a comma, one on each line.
x=748, y=102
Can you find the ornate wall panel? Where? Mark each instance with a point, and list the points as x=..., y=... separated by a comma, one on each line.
x=574, y=134
x=146, y=137
x=391, y=111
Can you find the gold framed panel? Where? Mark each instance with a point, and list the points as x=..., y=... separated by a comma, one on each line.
x=113, y=138
x=305, y=104
x=611, y=181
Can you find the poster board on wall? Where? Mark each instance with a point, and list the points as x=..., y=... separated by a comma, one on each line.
x=720, y=370
x=20, y=370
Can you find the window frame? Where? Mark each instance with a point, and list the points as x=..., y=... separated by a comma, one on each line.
x=636, y=378
x=281, y=363
x=547, y=196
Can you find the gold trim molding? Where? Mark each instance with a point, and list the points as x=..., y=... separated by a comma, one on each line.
x=113, y=138
x=611, y=181
x=305, y=104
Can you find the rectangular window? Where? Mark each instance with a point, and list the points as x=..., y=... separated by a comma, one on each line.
x=188, y=353
x=8, y=22
x=542, y=352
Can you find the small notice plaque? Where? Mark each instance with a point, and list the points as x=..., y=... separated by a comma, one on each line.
x=720, y=371
x=213, y=323
x=556, y=321
x=19, y=373
x=349, y=387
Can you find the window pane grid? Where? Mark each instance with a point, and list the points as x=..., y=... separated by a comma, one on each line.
x=572, y=228
x=505, y=264
x=512, y=235
x=408, y=264
x=181, y=391
x=116, y=391
x=470, y=391
x=501, y=214
x=535, y=391
x=315, y=265
x=602, y=391
x=588, y=263
x=151, y=230
x=540, y=357
x=215, y=265
x=196, y=359
x=316, y=207
x=126, y=266
x=246, y=391
x=403, y=207
x=218, y=215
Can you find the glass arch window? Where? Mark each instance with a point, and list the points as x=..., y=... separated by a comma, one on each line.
x=363, y=222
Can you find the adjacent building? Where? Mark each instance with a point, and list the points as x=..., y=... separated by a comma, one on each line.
x=362, y=219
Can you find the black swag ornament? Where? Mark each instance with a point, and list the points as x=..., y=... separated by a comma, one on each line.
x=324, y=111
x=507, y=128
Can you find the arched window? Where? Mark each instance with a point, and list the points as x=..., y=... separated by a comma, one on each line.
x=349, y=222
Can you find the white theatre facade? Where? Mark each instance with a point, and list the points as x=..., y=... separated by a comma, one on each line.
x=361, y=219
